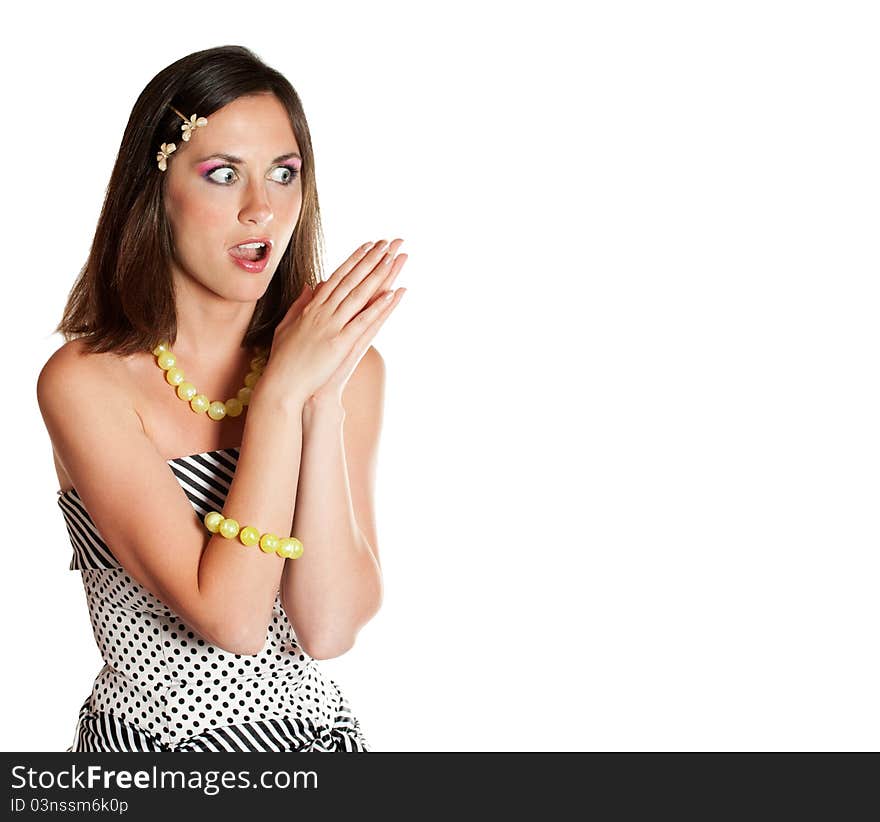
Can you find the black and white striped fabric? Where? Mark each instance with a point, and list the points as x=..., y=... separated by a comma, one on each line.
x=165, y=688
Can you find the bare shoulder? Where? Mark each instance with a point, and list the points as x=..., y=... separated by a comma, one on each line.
x=373, y=358
x=73, y=370
x=364, y=392
x=77, y=390
x=70, y=362
x=369, y=373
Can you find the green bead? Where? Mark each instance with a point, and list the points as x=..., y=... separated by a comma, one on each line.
x=213, y=520
x=199, y=403
x=249, y=535
x=268, y=543
x=216, y=410
x=166, y=360
x=186, y=391
x=244, y=395
x=289, y=548
x=234, y=407
x=174, y=376
x=229, y=528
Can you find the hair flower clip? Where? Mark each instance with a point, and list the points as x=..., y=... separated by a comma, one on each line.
x=164, y=153
x=191, y=125
x=188, y=127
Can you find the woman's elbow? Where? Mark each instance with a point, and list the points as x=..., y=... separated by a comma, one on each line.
x=328, y=649
x=242, y=643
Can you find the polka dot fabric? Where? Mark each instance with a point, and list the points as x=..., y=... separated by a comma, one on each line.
x=165, y=688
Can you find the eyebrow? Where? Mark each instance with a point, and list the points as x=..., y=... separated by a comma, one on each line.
x=230, y=158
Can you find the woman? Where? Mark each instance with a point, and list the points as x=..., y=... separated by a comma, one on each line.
x=224, y=546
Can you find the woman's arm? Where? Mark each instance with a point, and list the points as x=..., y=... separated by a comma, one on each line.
x=225, y=590
x=243, y=580
x=335, y=587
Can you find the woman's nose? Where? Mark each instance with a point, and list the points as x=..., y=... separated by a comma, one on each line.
x=256, y=208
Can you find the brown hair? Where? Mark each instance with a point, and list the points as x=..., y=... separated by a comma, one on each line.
x=123, y=299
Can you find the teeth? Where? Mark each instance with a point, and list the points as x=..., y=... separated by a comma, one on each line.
x=251, y=245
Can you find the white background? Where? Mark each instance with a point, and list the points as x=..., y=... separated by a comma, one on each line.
x=629, y=468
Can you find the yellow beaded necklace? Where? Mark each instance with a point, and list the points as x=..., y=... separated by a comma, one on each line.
x=200, y=403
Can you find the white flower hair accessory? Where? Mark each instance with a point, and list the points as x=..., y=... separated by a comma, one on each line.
x=191, y=125
x=187, y=129
x=164, y=153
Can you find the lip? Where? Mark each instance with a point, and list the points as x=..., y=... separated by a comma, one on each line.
x=254, y=266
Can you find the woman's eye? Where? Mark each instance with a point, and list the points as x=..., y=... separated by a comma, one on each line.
x=225, y=170
x=288, y=174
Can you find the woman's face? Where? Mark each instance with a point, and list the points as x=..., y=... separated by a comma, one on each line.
x=215, y=202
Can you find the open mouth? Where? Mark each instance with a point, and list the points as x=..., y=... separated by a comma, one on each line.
x=252, y=252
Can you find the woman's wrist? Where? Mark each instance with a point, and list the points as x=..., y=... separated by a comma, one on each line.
x=266, y=393
x=320, y=407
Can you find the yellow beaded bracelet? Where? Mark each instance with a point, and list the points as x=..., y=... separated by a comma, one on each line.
x=286, y=547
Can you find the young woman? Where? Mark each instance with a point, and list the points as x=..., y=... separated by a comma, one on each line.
x=215, y=415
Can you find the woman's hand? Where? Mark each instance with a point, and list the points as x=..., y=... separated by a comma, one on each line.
x=331, y=391
x=324, y=334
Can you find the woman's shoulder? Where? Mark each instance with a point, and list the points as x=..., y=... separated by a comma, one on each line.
x=78, y=387
x=73, y=363
x=75, y=356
